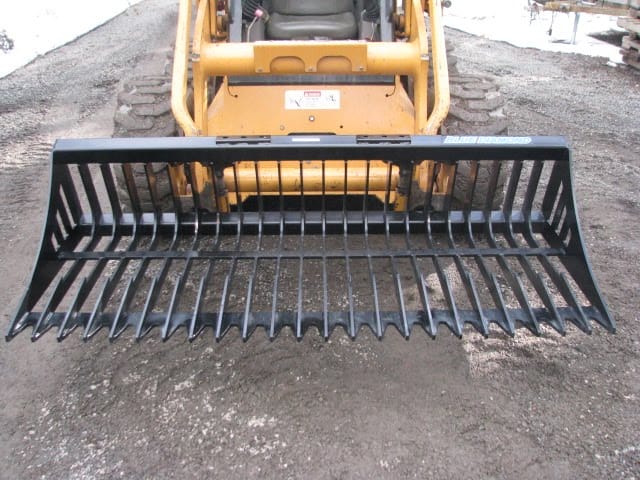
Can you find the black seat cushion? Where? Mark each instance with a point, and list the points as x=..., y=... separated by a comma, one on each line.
x=341, y=26
x=301, y=19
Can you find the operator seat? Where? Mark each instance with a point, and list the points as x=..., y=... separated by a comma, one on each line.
x=312, y=19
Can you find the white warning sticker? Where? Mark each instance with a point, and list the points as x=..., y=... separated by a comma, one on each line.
x=312, y=99
x=466, y=140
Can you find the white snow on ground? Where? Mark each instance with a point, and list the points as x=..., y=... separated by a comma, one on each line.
x=38, y=26
x=512, y=21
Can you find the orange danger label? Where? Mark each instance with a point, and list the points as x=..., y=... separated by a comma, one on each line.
x=312, y=99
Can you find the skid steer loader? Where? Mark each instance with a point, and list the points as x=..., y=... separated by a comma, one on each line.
x=311, y=188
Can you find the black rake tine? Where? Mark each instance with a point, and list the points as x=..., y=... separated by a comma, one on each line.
x=140, y=271
x=431, y=326
x=490, y=279
x=62, y=333
x=455, y=326
x=226, y=292
x=325, y=294
x=70, y=193
x=206, y=278
x=325, y=301
x=471, y=292
x=58, y=235
x=159, y=278
x=532, y=187
x=543, y=291
x=372, y=276
x=247, y=307
x=376, y=303
x=516, y=287
x=583, y=321
x=250, y=287
x=223, y=303
x=465, y=276
x=540, y=287
x=182, y=278
x=89, y=188
x=558, y=212
x=298, y=321
x=444, y=281
x=18, y=324
x=64, y=216
x=276, y=276
x=352, y=319
x=299, y=331
x=187, y=267
x=512, y=187
x=484, y=324
x=274, y=301
x=561, y=282
x=489, y=276
x=107, y=177
x=535, y=279
x=93, y=276
x=166, y=329
x=553, y=189
x=145, y=310
x=46, y=312
x=88, y=333
x=496, y=166
x=67, y=280
x=521, y=295
x=406, y=330
x=196, y=310
x=509, y=322
x=532, y=316
x=352, y=325
x=113, y=332
x=422, y=291
x=154, y=291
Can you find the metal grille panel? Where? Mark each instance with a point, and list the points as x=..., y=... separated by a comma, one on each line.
x=334, y=260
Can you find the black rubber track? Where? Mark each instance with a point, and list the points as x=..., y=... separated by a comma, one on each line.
x=144, y=110
x=476, y=109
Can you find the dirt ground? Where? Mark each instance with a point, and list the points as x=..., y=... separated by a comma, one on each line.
x=549, y=407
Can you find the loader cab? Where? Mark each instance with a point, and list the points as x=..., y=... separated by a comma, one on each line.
x=368, y=20
x=308, y=67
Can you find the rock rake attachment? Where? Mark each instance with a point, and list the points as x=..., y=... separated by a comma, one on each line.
x=299, y=260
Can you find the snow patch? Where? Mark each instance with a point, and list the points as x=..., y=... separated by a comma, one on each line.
x=38, y=26
x=512, y=21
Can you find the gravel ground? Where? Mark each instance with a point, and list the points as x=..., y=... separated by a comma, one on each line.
x=548, y=407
